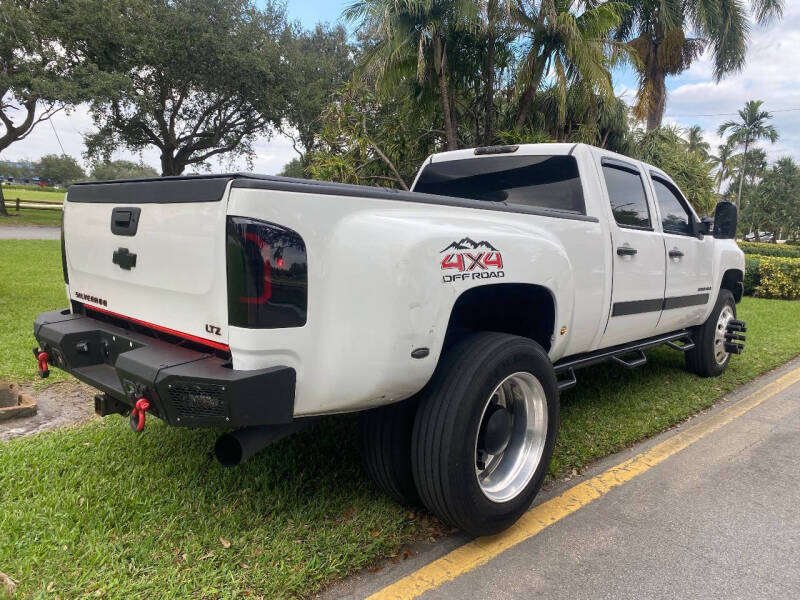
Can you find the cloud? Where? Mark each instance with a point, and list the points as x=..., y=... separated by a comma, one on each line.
x=769, y=75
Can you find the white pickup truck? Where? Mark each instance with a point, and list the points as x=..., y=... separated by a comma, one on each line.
x=452, y=315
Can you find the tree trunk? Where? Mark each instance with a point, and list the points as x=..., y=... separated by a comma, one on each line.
x=742, y=174
x=656, y=77
x=170, y=166
x=3, y=211
x=444, y=94
x=526, y=101
x=488, y=127
x=524, y=108
x=658, y=102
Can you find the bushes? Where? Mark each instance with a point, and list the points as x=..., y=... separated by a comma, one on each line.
x=771, y=271
x=778, y=278
x=752, y=274
x=763, y=249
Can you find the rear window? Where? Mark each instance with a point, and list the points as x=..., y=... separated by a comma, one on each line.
x=542, y=181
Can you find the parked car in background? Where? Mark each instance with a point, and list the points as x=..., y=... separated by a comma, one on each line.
x=762, y=236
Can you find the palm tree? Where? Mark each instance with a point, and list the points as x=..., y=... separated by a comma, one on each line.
x=751, y=127
x=412, y=36
x=658, y=32
x=695, y=142
x=722, y=161
x=568, y=40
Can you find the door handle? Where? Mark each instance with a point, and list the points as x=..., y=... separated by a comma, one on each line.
x=125, y=220
x=675, y=253
x=626, y=251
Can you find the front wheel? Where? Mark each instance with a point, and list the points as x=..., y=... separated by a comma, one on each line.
x=709, y=358
x=484, y=432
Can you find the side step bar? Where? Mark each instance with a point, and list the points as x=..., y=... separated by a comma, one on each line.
x=620, y=354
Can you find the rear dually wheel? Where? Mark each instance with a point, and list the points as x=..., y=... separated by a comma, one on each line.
x=484, y=431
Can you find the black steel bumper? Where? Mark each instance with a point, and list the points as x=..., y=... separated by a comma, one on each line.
x=185, y=387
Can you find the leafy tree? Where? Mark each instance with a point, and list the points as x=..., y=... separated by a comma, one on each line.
x=494, y=25
x=774, y=204
x=199, y=78
x=369, y=139
x=722, y=162
x=121, y=169
x=320, y=62
x=18, y=169
x=665, y=149
x=659, y=34
x=37, y=80
x=60, y=169
x=566, y=41
x=757, y=164
x=294, y=168
x=412, y=41
x=751, y=127
x=695, y=142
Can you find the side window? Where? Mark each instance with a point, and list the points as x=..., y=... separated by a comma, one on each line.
x=674, y=215
x=627, y=196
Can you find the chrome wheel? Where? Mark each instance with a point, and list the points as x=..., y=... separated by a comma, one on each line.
x=720, y=354
x=511, y=436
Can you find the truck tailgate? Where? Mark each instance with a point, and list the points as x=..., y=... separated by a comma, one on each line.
x=164, y=262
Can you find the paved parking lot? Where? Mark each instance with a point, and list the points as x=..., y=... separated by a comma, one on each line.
x=18, y=232
x=718, y=516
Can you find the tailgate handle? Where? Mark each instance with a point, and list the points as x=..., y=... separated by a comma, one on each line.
x=125, y=220
x=124, y=258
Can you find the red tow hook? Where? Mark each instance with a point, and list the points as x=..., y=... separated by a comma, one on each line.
x=138, y=415
x=43, y=357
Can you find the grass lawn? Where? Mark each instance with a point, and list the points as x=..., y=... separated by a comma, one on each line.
x=28, y=216
x=30, y=282
x=31, y=216
x=42, y=194
x=96, y=507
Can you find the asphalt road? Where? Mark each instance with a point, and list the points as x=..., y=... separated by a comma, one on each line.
x=16, y=232
x=718, y=519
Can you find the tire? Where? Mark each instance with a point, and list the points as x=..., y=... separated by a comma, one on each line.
x=453, y=419
x=703, y=358
x=386, y=449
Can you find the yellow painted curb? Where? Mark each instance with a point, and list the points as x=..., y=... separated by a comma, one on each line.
x=481, y=550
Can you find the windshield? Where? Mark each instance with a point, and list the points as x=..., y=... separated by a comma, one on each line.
x=543, y=181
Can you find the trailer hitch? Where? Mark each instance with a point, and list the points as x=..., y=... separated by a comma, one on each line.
x=138, y=414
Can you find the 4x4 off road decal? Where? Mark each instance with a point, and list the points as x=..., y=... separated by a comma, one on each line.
x=471, y=260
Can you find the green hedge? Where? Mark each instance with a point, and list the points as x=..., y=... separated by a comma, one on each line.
x=778, y=278
x=752, y=274
x=763, y=249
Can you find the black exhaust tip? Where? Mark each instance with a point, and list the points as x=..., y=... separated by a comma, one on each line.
x=234, y=448
x=228, y=450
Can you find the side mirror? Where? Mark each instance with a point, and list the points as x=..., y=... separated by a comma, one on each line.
x=701, y=228
x=726, y=220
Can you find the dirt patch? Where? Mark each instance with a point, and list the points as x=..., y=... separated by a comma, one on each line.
x=59, y=404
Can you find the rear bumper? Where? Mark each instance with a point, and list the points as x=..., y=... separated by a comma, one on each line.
x=185, y=387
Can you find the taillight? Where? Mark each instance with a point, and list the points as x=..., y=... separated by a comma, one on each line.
x=63, y=249
x=267, y=275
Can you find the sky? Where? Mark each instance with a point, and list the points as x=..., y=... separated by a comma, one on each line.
x=771, y=74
